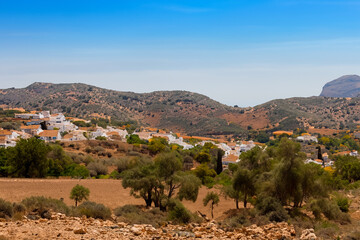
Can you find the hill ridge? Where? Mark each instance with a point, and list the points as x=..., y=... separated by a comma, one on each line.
x=183, y=111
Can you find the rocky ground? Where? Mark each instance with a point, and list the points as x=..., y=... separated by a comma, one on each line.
x=62, y=227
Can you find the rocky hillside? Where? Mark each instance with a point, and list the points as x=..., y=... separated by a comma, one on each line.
x=62, y=227
x=182, y=111
x=319, y=112
x=345, y=86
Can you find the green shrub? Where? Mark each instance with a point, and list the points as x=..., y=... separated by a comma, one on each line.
x=343, y=203
x=94, y=210
x=42, y=205
x=122, y=211
x=6, y=209
x=133, y=214
x=177, y=212
x=76, y=171
x=97, y=168
x=330, y=209
x=19, y=208
x=115, y=175
x=99, y=149
x=272, y=208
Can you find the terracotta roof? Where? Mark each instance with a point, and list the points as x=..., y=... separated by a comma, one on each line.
x=342, y=153
x=283, y=132
x=112, y=133
x=86, y=128
x=34, y=127
x=68, y=136
x=231, y=158
x=5, y=132
x=49, y=133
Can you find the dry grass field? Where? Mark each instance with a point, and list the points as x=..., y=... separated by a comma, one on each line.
x=105, y=191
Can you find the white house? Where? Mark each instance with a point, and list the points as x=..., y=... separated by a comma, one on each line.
x=354, y=153
x=100, y=132
x=246, y=146
x=50, y=135
x=28, y=115
x=32, y=129
x=58, y=121
x=74, y=136
x=307, y=138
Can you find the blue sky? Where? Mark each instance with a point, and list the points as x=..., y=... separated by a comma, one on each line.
x=234, y=51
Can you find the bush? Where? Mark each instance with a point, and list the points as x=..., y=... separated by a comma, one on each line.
x=272, y=208
x=177, y=212
x=115, y=175
x=19, y=208
x=133, y=214
x=99, y=149
x=76, y=171
x=94, y=210
x=6, y=209
x=330, y=210
x=343, y=203
x=42, y=205
x=97, y=168
x=19, y=211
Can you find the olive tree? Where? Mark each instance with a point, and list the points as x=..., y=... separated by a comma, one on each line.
x=79, y=193
x=213, y=198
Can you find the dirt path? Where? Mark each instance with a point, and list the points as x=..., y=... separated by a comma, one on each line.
x=106, y=191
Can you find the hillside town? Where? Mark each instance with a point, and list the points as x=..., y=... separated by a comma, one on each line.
x=53, y=127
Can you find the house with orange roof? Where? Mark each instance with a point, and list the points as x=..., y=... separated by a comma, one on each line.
x=9, y=135
x=232, y=145
x=8, y=138
x=50, y=135
x=145, y=135
x=231, y=158
x=31, y=129
x=74, y=136
x=4, y=133
x=353, y=153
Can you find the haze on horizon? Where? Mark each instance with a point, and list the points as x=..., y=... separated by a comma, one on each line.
x=237, y=52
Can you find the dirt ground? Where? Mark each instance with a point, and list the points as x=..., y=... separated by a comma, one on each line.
x=106, y=191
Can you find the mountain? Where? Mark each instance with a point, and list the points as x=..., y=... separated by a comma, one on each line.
x=182, y=111
x=345, y=86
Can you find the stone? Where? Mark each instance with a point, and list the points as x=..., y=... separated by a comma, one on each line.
x=80, y=231
x=136, y=231
x=198, y=234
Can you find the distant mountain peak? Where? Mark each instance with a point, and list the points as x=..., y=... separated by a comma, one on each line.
x=345, y=86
